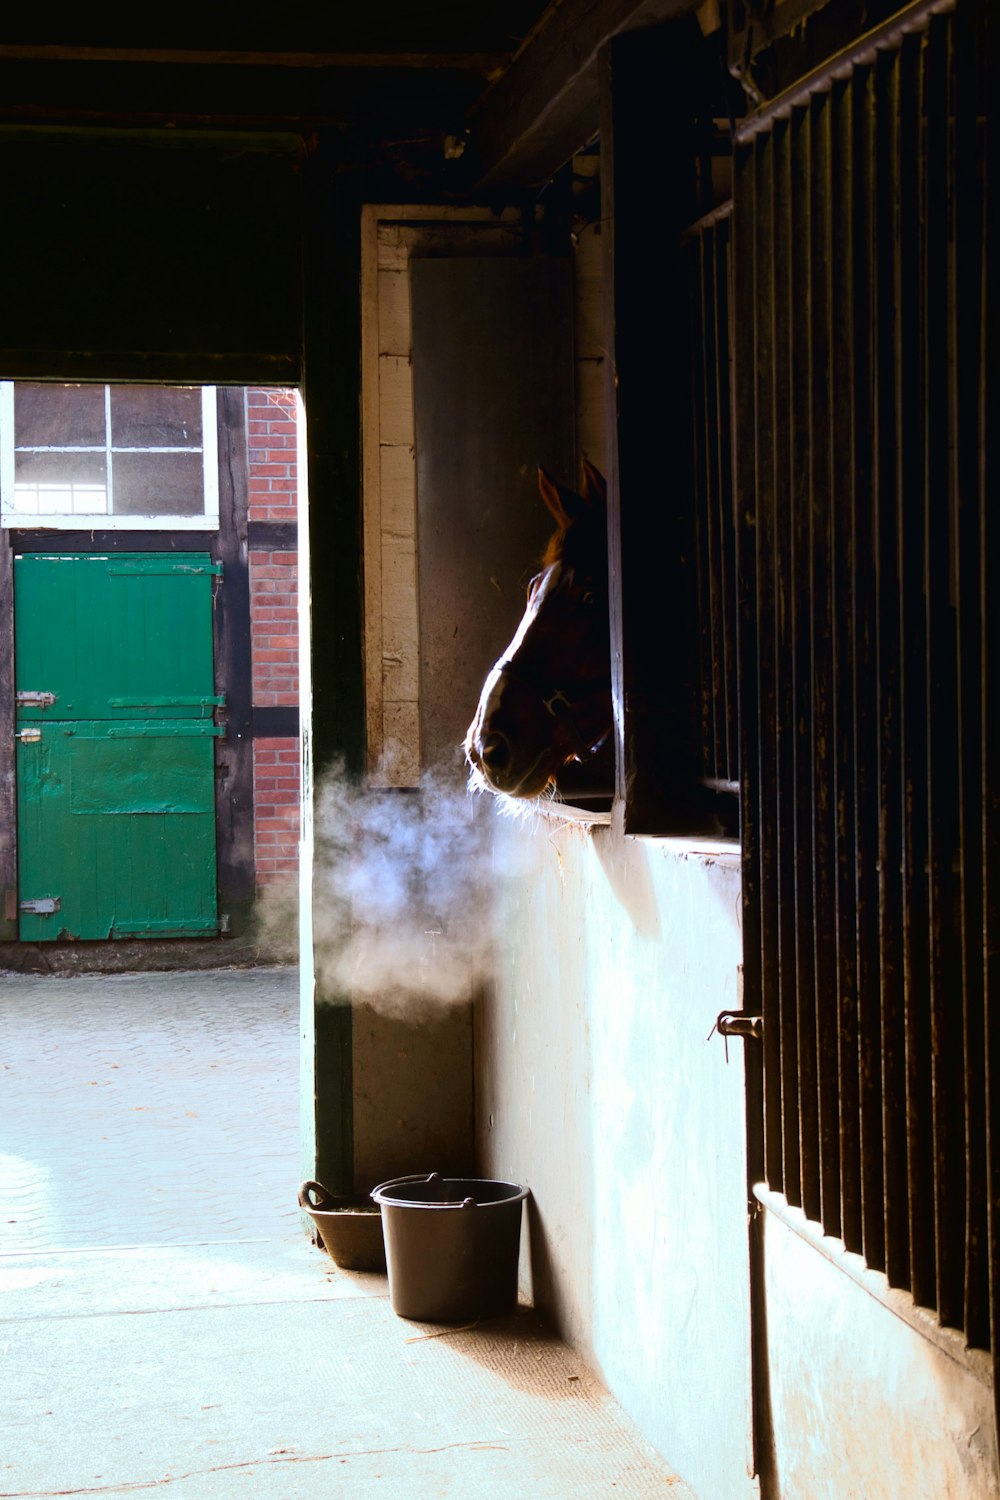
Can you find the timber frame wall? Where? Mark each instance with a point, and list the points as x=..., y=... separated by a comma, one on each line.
x=256, y=633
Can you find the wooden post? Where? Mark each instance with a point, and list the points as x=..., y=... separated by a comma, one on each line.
x=649, y=194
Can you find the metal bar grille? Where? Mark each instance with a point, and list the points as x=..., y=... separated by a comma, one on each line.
x=862, y=391
x=709, y=271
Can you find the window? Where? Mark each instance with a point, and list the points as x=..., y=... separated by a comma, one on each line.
x=87, y=456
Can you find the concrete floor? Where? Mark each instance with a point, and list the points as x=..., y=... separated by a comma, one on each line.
x=166, y=1326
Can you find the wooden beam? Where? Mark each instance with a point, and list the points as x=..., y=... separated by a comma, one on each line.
x=489, y=64
x=544, y=107
x=648, y=115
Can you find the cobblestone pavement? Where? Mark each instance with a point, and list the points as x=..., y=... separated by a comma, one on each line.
x=148, y=1109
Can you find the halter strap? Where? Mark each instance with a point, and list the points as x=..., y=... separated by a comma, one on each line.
x=560, y=705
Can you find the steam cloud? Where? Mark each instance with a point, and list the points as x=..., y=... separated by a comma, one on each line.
x=403, y=894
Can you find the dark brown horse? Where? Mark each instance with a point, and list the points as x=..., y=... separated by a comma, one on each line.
x=547, y=701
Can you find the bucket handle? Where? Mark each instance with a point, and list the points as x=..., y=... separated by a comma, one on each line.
x=310, y=1190
x=413, y=1177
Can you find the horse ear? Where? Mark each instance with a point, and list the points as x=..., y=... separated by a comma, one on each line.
x=566, y=505
x=595, y=486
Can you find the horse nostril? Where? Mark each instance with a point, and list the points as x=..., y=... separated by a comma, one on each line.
x=495, y=752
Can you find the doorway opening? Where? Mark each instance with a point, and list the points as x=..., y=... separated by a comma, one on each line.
x=150, y=645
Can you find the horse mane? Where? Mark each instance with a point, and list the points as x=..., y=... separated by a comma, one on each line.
x=555, y=549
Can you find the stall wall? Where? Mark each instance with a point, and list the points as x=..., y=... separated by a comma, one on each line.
x=862, y=1401
x=597, y=1086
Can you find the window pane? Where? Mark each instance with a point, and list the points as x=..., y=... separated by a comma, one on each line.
x=155, y=416
x=60, y=484
x=158, y=484
x=65, y=416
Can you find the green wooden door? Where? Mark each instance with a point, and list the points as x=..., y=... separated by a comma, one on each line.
x=115, y=763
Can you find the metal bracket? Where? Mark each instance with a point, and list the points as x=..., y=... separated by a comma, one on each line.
x=43, y=906
x=28, y=736
x=35, y=700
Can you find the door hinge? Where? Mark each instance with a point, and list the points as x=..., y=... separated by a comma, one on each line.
x=43, y=906
x=28, y=736
x=35, y=700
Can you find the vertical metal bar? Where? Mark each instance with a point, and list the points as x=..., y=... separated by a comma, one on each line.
x=887, y=385
x=727, y=562
x=916, y=359
x=743, y=332
x=712, y=498
x=797, y=666
x=866, y=817
x=700, y=438
x=990, y=686
x=775, y=1076
x=822, y=799
x=844, y=548
x=943, y=779
x=965, y=335
x=782, y=746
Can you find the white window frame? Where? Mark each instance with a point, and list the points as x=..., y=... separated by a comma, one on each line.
x=103, y=521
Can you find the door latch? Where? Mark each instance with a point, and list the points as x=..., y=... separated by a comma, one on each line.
x=28, y=736
x=35, y=700
x=43, y=906
x=737, y=1023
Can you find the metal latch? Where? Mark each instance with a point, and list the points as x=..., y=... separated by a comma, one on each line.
x=35, y=700
x=28, y=736
x=737, y=1023
x=44, y=906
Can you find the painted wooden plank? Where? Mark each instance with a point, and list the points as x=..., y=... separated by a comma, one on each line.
x=395, y=399
x=370, y=483
x=398, y=484
x=394, y=313
x=399, y=598
x=231, y=620
x=400, y=620
x=393, y=248
x=591, y=428
x=401, y=744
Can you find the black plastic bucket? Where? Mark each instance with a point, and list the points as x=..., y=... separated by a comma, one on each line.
x=451, y=1246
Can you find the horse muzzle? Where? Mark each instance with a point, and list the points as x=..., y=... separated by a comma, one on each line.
x=491, y=755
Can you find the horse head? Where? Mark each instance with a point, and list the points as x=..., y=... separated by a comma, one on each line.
x=547, y=700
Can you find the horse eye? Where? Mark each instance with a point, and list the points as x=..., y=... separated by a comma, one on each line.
x=589, y=597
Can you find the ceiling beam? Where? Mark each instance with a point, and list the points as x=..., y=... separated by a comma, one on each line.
x=490, y=64
x=544, y=106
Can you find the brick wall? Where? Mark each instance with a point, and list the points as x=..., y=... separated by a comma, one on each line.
x=274, y=628
x=271, y=433
x=271, y=441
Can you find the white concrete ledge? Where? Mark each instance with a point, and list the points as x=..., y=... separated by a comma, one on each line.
x=948, y=1340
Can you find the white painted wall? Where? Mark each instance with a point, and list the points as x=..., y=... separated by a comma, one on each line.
x=862, y=1402
x=598, y=1088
